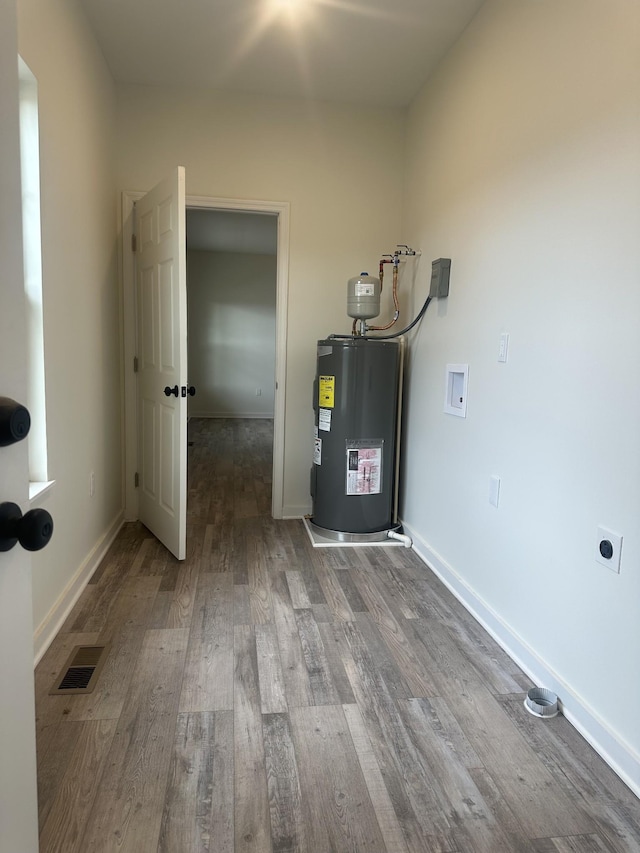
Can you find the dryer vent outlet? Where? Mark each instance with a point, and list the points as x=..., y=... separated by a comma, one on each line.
x=608, y=550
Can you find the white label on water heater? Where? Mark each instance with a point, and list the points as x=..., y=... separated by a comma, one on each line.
x=364, y=470
x=317, y=451
x=324, y=419
x=365, y=288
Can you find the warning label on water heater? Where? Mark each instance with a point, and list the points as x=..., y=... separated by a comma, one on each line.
x=324, y=419
x=326, y=391
x=364, y=469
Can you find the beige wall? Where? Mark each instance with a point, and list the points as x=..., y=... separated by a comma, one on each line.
x=340, y=167
x=80, y=289
x=522, y=167
x=231, y=301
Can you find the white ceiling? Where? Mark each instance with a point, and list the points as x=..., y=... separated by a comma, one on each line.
x=376, y=52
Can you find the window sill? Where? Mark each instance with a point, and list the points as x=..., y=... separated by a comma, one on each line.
x=39, y=489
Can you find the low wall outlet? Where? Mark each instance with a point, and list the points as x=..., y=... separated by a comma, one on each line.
x=608, y=549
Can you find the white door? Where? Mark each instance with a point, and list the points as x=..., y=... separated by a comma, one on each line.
x=18, y=798
x=161, y=290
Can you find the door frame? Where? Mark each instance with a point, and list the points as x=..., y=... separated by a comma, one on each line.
x=130, y=412
x=18, y=767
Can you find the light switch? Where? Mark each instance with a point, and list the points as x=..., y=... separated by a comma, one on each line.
x=503, y=351
x=494, y=490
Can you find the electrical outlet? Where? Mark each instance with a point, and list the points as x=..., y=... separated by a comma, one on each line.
x=258, y=392
x=92, y=484
x=608, y=549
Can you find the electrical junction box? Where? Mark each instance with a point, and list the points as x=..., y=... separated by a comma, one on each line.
x=440, y=270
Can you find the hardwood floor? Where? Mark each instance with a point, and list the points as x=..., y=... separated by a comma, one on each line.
x=263, y=696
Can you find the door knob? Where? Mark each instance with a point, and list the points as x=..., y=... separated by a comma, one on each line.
x=191, y=391
x=169, y=391
x=33, y=530
x=15, y=421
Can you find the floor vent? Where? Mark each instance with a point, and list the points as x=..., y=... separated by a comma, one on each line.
x=80, y=672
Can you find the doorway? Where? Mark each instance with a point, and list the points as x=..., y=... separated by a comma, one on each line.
x=231, y=311
x=276, y=210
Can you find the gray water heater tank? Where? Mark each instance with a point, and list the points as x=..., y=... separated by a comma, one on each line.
x=355, y=401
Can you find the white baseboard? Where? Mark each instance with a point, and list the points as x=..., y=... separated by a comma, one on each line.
x=55, y=618
x=619, y=755
x=289, y=512
x=264, y=415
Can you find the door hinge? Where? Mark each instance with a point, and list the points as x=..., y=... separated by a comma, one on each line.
x=134, y=243
x=136, y=479
x=135, y=364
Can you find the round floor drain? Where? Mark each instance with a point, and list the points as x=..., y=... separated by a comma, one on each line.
x=541, y=702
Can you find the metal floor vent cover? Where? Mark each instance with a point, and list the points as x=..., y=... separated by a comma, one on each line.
x=80, y=672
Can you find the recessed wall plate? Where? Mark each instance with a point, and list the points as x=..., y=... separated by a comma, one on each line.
x=455, y=397
x=608, y=549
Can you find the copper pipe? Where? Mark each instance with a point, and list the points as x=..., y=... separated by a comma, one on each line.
x=396, y=304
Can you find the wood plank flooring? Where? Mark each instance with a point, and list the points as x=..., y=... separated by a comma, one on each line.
x=266, y=697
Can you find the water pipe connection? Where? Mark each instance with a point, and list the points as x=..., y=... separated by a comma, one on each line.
x=360, y=327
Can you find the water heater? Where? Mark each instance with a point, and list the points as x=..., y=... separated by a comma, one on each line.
x=355, y=401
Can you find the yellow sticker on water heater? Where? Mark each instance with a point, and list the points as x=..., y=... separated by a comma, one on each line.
x=326, y=391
